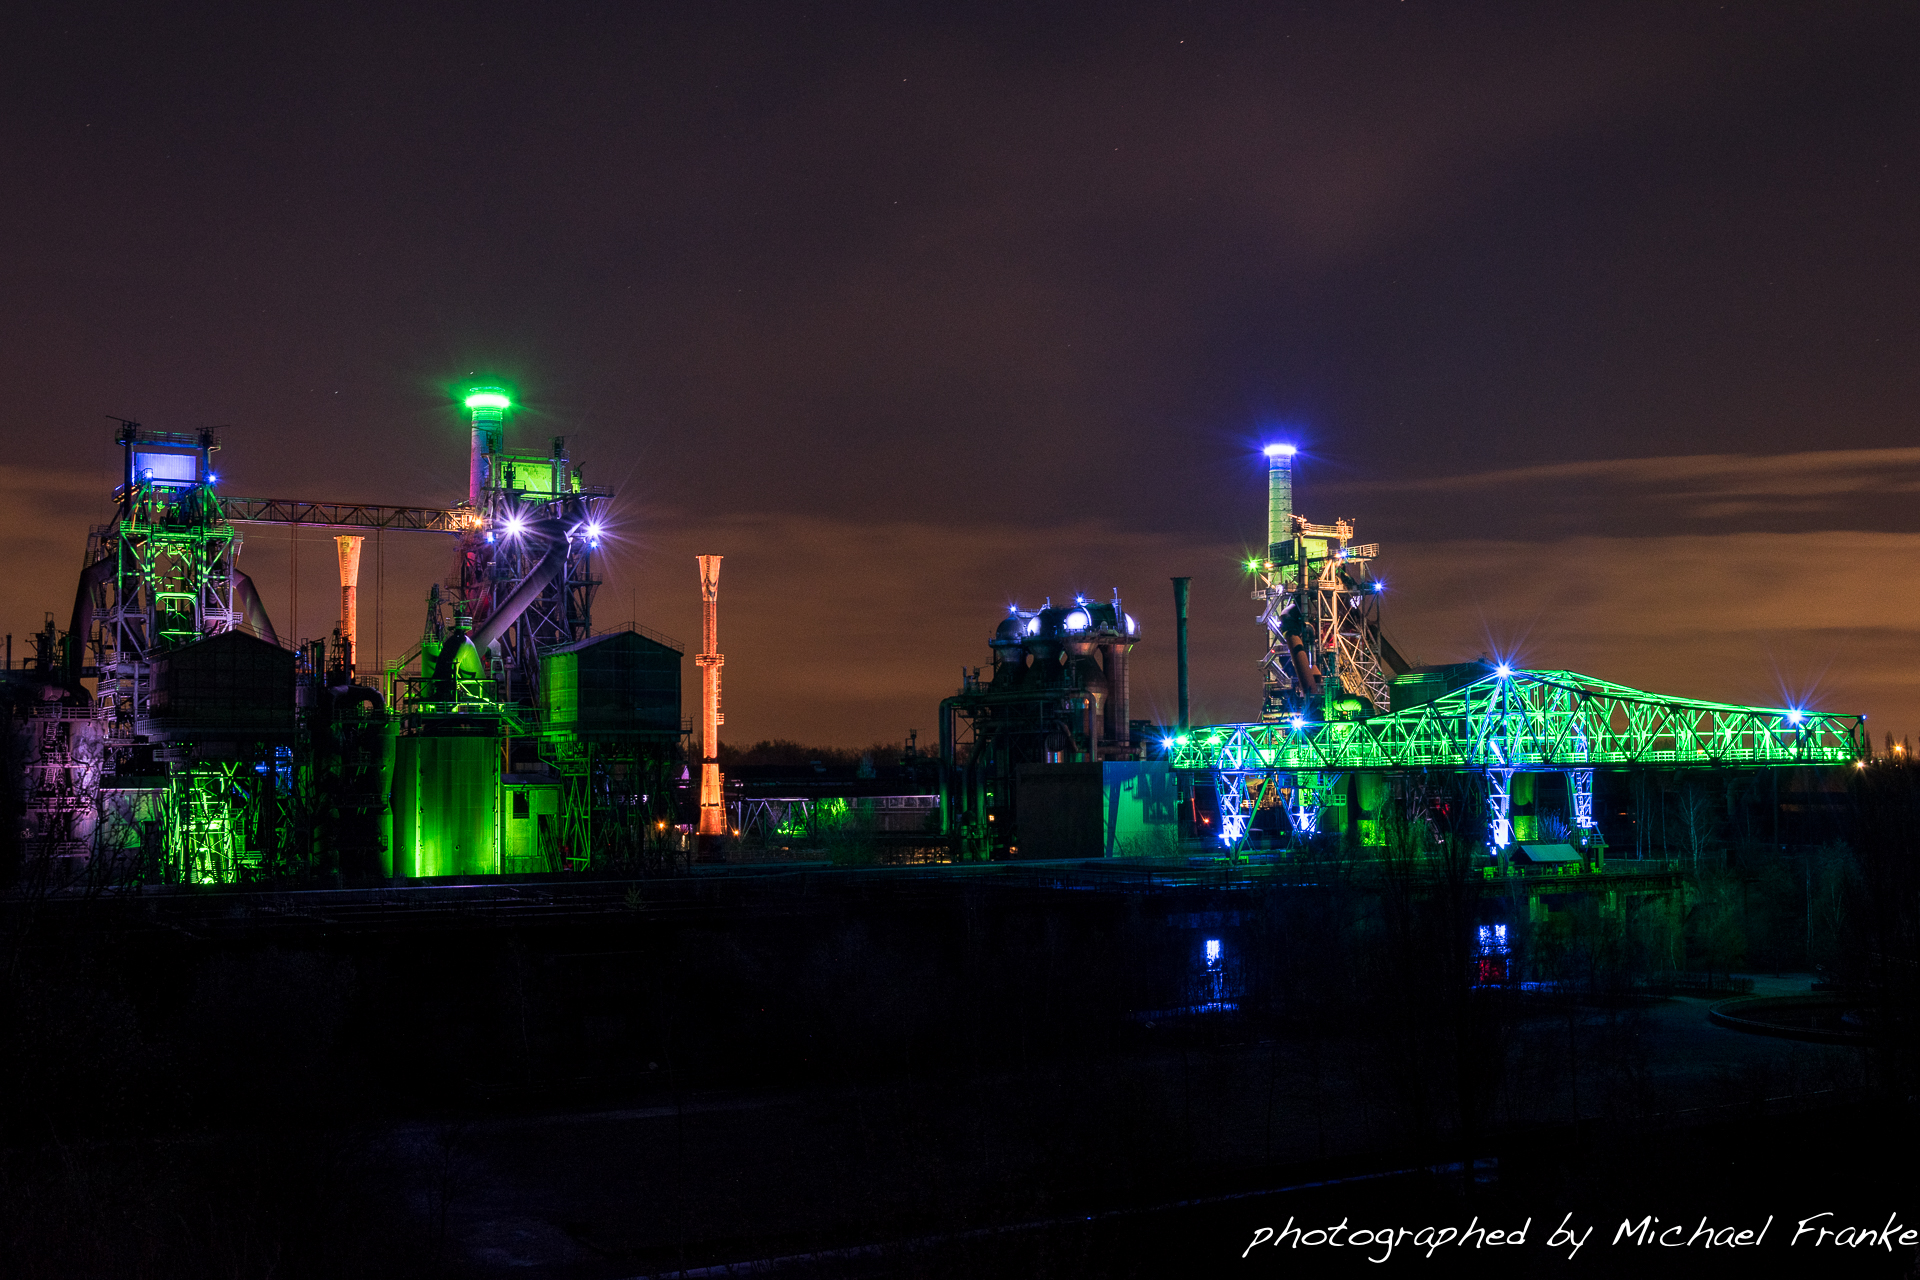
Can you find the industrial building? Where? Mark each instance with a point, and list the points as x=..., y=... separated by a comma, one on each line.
x=170, y=736
x=1041, y=760
x=1351, y=736
x=1045, y=745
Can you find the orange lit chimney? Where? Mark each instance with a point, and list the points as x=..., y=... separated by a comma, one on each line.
x=349, y=591
x=713, y=807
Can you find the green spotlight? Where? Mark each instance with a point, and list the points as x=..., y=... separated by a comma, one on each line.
x=488, y=398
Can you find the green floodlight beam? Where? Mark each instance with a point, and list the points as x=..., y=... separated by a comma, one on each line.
x=488, y=398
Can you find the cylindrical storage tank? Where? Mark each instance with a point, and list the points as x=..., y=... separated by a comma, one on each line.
x=445, y=797
x=399, y=859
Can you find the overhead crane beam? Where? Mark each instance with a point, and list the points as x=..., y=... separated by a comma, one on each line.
x=345, y=515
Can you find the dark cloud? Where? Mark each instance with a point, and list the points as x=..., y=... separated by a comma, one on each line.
x=904, y=310
x=1700, y=493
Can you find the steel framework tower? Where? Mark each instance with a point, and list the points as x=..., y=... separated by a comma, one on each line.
x=713, y=807
x=161, y=578
x=160, y=574
x=1321, y=612
x=527, y=535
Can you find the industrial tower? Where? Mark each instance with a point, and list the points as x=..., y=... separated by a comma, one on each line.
x=713, y=805
x=211, y=750
x=160, y=574
x=349, y=548
x=1059, y=694
x=1340, y=740
x=1326, y=659
x=528, y=532
x=179, y=643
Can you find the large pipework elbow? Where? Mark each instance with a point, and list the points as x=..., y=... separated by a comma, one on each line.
x=251, y=609
x=1303, y=666
x=82, y=624
x=555, y=535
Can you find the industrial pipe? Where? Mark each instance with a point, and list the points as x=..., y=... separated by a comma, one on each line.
x=1181, y=586
x=1303, y=665
x=251, y=610
x=528, y=591
x=90, y=577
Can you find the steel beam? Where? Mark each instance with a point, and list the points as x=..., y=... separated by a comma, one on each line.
x=345, y=515
x=1536, y=720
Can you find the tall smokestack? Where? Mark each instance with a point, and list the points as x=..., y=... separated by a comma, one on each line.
x=713, y=809
x=1279, y=497
x=1180, y=587
x=489, y=407
x=349, y=592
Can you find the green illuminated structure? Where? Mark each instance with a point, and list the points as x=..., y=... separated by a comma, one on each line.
x=528, y=743
x=1502, y=723
x=445, y=806
x=193, y=702
x=609, y=726
x=213, y=751
x=221, y=710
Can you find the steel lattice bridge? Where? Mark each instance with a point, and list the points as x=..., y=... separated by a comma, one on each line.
x=1505, y=722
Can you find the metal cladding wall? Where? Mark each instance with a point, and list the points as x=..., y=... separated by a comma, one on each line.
x=1123, y=808
x=231, y=685
x=622, y=683
x=445, y=795
x=530, y=825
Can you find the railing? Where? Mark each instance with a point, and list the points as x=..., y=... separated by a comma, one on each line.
x=658, y=637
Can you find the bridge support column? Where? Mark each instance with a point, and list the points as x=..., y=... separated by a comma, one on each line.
x=1499, y=808
x=1313, y=793
x=1238, y=794
x=1580, y=789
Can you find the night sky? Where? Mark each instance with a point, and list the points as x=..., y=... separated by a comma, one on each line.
x=1601, y=318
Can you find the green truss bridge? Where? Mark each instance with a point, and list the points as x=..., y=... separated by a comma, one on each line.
x=1504, y=722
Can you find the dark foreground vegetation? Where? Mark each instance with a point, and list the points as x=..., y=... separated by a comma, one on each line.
x=949, y=1074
